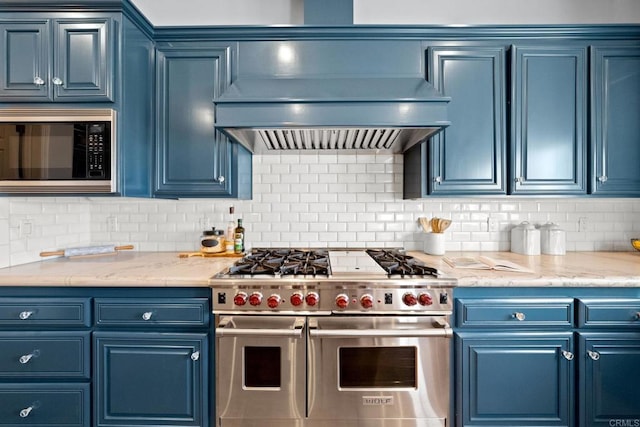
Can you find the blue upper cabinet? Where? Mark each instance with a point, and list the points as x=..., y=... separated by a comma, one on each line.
x=468, y=157
x=615, y=123
x=549, y=120
x=68, y=60
x=192, y=158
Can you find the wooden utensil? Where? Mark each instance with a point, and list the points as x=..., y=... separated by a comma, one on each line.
x=87, y=250
x=444, y=224
x=425, y=224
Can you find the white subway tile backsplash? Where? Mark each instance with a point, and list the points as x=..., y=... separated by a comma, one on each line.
x=321, y=200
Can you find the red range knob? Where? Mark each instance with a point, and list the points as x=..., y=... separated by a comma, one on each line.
x=296, y=299
x=425, y=299
x=342, y=301
x=240, y=299
x=366, y=301
x=255, y=298
x=312, y=299
x=409, y=299
x=273, y=301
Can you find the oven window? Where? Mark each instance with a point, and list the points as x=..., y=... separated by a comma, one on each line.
x=262, y=367
x=377, y=367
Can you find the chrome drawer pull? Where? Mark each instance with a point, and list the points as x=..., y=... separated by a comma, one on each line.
x=593, y=354
x=25, y=412
x=195, y=356
x=637, y=316
x=567, y=355
x=38, y=81
x=27, y=357
x=520, y=316
x=24, y=315
x=147, y=315
x=57, y=81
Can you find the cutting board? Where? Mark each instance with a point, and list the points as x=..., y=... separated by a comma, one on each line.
x=209, y=255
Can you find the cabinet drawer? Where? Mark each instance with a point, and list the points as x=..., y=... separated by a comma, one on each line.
x=517, y=313
x=45, y=355
x=44, y=405
x=152, y=312
x=45, y=311
x=609, y=312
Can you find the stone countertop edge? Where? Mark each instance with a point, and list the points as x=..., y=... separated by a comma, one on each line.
x=575, y=269
x=166, y=269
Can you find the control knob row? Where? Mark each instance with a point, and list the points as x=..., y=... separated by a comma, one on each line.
x=273, y=301
x=411, y=299
x=342, y=301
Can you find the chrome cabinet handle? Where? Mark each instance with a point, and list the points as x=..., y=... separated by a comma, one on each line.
x=637, y=316
x=147, y=315
x=26, y=411
x=57, y=81
x=567, y=355
x=437, y=179
x=24, y=315
x=24, y=359
x=38, y=81
x=519, y=180
x=221, y=179
x=603, y=178
x=195, y=356
x=519, y=316
x=594, y=355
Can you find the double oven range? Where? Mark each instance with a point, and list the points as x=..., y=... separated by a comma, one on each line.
x=332, y=338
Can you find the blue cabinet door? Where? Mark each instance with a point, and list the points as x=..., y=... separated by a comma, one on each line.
x=549, y=120
x=615, y=92
x=83, y=60
x=514, y=379
x=610, y=374
x=468, y=157
x=25, y=61
x=146, y=378
x=193, y=159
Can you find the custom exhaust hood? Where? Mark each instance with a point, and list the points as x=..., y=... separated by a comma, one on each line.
x=324, y=104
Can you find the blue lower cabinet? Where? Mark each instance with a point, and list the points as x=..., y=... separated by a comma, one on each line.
x=145, y=378
x=609, y=379
x=45, y=405
x=515, y=379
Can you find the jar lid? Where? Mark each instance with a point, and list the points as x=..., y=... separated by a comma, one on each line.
x=213, y=232
x=525, y=225
x=550, y=226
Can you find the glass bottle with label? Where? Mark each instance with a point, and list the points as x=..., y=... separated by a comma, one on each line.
x=231, y=232
x=239, y=238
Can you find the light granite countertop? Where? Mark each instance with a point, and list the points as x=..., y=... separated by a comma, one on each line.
x=139, y=269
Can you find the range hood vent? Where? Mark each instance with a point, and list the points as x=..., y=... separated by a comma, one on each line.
x=309, y=114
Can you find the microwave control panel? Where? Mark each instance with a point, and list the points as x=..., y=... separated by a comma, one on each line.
x=97, y=153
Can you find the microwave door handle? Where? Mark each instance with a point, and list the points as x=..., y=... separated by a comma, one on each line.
x=223, y=330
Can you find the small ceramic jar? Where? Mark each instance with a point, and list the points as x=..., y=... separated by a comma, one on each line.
x=525, y=239
x=552, y=239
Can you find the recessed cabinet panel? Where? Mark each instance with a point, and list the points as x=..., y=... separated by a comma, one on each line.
x=549, y=109
x=615, y=91
x=610, y=366
x=150, y=378
x=516, y=379
x=24, y=71
x=82, y=65
x=468, y=157
x=193, y=159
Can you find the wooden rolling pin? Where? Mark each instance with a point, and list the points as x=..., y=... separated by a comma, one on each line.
x=87, y=250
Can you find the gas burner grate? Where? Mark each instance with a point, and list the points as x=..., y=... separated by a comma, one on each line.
x=399, y=264
x=283, y=262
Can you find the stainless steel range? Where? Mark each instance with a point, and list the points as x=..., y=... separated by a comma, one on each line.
x=319, y=338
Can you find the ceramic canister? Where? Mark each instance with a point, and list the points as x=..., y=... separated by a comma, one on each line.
x=525, y=239
x=552, y=239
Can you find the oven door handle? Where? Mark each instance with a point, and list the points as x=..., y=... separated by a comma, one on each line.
x=224, y=331
x=380, y=333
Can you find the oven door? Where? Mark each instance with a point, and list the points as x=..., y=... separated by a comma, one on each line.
x=260, y=371
x=379, y=371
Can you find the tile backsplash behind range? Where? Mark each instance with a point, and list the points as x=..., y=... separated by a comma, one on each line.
x=324, y=200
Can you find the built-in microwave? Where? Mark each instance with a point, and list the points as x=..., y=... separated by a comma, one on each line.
x=57, y=151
